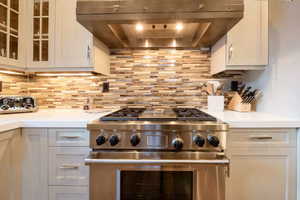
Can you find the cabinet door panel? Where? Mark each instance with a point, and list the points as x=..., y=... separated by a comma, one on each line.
x=35, y=185
x=41, y=33
x=12, y=19
x=73, y=41
x=66, y=166
x=247, y=42
x=261, y=174
x=68, y=193
x=10, y=162
x=4, y=170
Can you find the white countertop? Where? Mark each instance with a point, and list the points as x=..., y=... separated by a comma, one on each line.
x=255, y=119
x=74, y=118
x=52, y=118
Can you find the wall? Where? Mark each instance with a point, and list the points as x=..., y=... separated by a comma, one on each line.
x=280, y=81
x=140, y=77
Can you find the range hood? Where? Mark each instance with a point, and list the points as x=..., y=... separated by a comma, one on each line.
x=159, y=23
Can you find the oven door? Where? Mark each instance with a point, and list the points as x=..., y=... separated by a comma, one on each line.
x=157, y=175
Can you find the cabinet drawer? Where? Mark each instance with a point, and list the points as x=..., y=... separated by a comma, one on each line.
x=66, y=166
x=68, y=193
x=262, y=137
x=68, y=137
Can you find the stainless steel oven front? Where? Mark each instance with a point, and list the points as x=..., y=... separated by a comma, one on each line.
x=136, y=175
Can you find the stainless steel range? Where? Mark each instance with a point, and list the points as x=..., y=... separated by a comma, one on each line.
x=171, y=154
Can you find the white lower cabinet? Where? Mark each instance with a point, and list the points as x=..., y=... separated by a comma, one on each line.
x=263, y=164
x=53, y=164
x=10, y=165
x=68, y=193
x=66, y=166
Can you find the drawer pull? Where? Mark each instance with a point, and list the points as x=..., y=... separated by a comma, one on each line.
x=71, y=136
x=261, y=137
x=69, y=167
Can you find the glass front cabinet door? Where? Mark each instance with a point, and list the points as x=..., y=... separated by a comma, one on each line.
x=11, y=33
x=41, y=42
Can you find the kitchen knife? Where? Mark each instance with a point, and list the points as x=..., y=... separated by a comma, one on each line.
x=254, y=96
x=245, y=93
x=249, y=96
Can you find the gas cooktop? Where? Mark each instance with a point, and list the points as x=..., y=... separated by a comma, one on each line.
x=142, y=114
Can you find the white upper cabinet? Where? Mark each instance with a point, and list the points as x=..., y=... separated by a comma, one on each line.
x=40, y=35
x=75, y=47
x=73, y=42
x=12, y=33
x=59, y=42
x=245, y=47
x=44, y=36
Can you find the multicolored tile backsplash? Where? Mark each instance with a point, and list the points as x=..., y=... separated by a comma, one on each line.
x=159, y=78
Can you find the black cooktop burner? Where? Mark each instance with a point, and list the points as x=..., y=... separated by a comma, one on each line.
x=125, y=114
x=192, y=114
x=139, y=114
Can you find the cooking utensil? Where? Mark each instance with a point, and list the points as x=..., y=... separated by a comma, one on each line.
x=220, y=90
x=215, y=86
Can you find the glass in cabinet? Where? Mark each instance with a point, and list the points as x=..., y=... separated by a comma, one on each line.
x=9, y=29
x=40, y=31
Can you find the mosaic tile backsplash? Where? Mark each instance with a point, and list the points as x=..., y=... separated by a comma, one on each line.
x=158, y=78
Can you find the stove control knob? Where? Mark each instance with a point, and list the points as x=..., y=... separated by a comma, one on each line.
x=114, y=140
x=101, y=139
x=213, y=140
x=199, y=140
x=135, y=140
x=177, y=143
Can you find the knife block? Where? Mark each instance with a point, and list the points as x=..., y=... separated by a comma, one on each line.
x=236, y=104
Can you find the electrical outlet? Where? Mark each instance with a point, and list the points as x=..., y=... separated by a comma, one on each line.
x=105, y=87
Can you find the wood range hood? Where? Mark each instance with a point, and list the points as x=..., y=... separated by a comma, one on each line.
x=189, y=24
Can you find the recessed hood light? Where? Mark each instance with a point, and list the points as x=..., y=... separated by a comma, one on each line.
x=139, y=27
x=179, y=26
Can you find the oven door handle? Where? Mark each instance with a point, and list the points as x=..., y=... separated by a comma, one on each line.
x=90, y=160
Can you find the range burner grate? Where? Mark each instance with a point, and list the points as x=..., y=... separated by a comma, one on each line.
x=192, y=114
x=181, y=114
x=125, y=114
